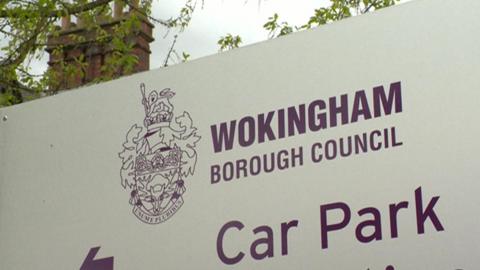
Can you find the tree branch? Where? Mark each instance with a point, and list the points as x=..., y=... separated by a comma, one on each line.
x=153, y=19
x=24, y=48
x=367, y=9
x=69, y=9
x=170, y=51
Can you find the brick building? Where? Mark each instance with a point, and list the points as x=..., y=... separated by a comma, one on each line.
x=77, y=39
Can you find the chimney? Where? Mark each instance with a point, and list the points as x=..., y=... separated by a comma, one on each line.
x=76, y=40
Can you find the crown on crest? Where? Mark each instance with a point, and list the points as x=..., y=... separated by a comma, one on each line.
x=162, y=160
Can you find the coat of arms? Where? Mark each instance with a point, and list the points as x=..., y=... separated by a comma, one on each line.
x=157, y=158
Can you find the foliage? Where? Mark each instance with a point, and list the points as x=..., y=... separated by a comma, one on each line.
x=186, y=13
x=277, y=29
x=27, y=26
x=229, y=42
x=341, y=9
x=336, y=10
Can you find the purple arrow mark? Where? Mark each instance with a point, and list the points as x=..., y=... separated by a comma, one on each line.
x=100, y=264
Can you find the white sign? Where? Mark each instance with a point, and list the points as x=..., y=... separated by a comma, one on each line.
x=352, y=146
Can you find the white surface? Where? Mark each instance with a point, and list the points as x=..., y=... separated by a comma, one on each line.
x=60, y=191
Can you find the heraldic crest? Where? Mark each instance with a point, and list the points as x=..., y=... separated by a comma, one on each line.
x=157, y=158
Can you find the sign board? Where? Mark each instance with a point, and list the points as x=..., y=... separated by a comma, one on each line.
x=352, y=146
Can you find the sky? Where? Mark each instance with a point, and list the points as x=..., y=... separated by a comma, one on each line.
x=219, y=17
x=214, y=19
